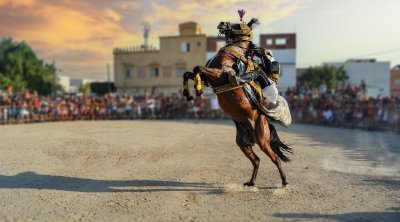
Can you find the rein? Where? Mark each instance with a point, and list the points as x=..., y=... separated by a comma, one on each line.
x=225, y=88
x=231, y=51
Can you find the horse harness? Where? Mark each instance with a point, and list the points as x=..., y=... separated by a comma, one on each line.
x=237, y=53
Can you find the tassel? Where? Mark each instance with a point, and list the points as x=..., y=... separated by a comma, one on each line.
x=241, y=14
x=198, y=84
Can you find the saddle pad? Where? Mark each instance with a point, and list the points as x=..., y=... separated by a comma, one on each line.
x=279, y=113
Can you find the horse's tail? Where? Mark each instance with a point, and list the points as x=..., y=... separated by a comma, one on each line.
x=280, y=148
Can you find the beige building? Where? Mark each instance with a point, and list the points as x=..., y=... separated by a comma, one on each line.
x=136, y=70
x=395, y=81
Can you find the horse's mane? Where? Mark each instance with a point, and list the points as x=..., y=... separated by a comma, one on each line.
x=252, y=22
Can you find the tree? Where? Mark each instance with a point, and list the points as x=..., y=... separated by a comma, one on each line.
x=328, y=75
x=20, y=68
x=85, y=88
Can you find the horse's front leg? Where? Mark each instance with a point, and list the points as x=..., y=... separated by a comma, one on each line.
x=186, y=91
x=212, y=73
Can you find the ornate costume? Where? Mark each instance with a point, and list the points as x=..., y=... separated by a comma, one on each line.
x=264, y=69
x=247, y=66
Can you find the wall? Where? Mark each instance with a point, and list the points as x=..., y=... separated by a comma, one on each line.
x=395, y=81
x=375, y=74
x=167, y=59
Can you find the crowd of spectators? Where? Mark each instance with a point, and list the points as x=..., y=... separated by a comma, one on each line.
x=346, y=106
x=28, y=107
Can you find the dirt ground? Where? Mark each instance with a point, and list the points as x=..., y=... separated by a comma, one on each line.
x=192, y=171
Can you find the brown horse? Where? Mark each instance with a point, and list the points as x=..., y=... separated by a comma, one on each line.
x=251, y=125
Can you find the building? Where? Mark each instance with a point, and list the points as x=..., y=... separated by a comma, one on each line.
x=214, y=44
x=283, y=46
x=75, y=84
x=375, y=74
x=64, y=81
x=137, y=70
x=395, y=81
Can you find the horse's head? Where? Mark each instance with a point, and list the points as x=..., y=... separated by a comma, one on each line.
x=237, y=31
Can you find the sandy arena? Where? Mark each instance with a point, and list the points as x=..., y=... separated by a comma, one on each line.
x=192, y=171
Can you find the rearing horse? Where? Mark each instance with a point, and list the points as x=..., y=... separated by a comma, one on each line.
x=251, y=124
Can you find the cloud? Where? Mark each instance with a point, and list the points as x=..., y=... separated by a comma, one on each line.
x=57, y=27
x=15, y=4
x=208, y=13
x=80, y=34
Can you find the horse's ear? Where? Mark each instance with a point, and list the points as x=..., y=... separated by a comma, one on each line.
x=252, y=22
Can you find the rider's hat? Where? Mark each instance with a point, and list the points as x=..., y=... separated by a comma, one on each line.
x=238, y=31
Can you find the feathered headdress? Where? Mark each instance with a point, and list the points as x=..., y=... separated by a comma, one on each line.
x=241, y=14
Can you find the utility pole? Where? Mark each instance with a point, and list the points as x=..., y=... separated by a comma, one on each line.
x=146, y=31
x=108, y=77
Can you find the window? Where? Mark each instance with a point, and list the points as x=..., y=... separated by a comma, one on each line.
x=180, y=71
x=270, y=41
x=185, y=47
x=280, y=41
x=397, y=82
x=154, y=72
x=129, y=72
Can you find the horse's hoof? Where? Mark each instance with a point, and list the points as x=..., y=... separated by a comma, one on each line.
x=249, y=184
x=285, y=185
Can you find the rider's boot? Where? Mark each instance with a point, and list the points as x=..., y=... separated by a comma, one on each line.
x=271, y=93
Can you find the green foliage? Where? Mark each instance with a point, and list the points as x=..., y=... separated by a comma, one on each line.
x=20, y=68
x=85, y=88
x=328, y=75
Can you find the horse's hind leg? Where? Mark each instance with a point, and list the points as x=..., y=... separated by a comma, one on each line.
x=255, y=160
x=245, y=143
x=263, y=140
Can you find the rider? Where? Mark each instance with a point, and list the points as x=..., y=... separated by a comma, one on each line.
x=266, y=72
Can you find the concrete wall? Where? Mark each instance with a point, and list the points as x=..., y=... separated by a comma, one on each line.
x=375, y=74
x=288, y=76
x=65, y=82
x=395, y=81
x=287, y=59
x=285, y=53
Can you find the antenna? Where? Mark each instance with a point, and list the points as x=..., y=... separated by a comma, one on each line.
x=146, y=31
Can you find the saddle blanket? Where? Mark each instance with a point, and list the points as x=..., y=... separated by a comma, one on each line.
x=279, y=112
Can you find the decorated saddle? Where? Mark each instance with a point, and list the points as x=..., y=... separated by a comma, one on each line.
x=278, y=112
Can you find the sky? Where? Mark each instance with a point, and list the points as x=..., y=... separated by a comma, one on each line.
x=79, y=35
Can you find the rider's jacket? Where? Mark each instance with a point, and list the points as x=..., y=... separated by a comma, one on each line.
x=247, y=69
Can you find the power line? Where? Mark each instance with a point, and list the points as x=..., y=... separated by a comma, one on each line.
x=360, y=56
x=379, y=53
x=371, y=54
